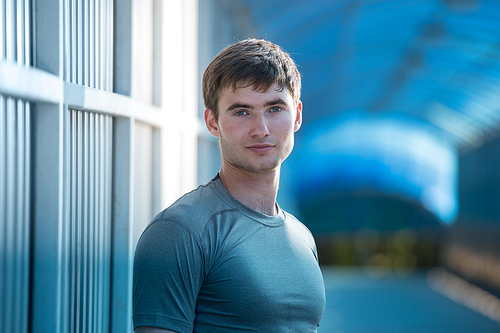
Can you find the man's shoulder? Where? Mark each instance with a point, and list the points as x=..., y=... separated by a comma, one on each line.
x=194, y=209
x=300, y=228
x=295, y=222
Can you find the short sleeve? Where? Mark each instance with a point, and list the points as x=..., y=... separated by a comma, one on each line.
x=168, y=274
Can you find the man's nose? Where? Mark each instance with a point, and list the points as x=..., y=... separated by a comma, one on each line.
x=260, y=126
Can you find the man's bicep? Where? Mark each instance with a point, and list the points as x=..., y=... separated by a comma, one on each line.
x=148, y=329
x=168, y=274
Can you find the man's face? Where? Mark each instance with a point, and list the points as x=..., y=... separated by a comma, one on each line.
x=255, y=129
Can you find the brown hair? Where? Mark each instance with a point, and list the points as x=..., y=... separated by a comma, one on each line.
x=250, y=62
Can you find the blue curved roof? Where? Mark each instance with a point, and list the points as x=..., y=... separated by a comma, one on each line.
x=433, y=66
x=419, y=57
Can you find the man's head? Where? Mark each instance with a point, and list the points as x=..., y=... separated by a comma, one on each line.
x=254, y=63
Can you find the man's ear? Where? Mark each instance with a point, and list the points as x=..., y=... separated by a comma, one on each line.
x=211, y=123
x=298, y=117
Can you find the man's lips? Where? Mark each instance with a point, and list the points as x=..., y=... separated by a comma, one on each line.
x=260, y=148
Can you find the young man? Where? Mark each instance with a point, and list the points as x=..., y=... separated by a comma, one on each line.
x=225, y=257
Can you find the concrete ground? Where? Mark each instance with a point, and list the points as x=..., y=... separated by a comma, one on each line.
x=360, y=300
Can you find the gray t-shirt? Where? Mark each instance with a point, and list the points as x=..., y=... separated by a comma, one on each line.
x=208, y=263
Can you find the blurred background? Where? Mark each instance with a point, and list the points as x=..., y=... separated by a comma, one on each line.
x=396, y=169
x=396, y=166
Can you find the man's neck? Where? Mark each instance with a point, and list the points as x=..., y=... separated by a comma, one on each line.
x=255, y=190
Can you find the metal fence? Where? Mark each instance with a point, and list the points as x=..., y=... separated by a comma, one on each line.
x=83, y=140
x=88, y=35
x=88, y=225
x=15, y=173
x=15, y=213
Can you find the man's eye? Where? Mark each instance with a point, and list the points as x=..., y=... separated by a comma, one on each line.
x=276, y=109
x=240, y=113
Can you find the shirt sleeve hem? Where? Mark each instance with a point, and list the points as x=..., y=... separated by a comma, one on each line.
x=162, y=322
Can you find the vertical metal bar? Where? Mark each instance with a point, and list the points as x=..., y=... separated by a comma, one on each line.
x=3, y=210
x=110, y=47
x=102, y=45
x=70, y=31
x=10, y=212
x=104, y=224
x=112, y=42
x=20, y=32
x=71, y=230
x=22, y=222
x=93, y=174
x=91, y=44
x=71, y=204
x=105, y=44
x=95, y=217
x=85, y=221
x=98, y=205
x=103, y=216
x=78, y=222
x=2, y=32
x=73, y=242
x=13, y=221
x=91, y=222
x=3, y=197
x=27, y=213
x=157, y=190
x=101, y=221
x=79, y=215
x=99, y=209
x=85, y=43
x=102, y=40
x=27, y=33
x=9, y=31
x=105, y=220
x=79, y=43
x=121, y=310
x=109, y=160
x=97, y=34
x=73, y=29
x=157, y=52
x=18, y=222
x=97, y=68
x=64, y=320
x=67, y=41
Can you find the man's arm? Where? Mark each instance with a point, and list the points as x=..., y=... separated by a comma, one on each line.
x=148, y=329
x=168, y=274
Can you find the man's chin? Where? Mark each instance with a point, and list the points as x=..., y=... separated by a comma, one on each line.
x=263, y=168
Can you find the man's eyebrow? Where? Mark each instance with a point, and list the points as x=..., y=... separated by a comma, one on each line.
x=276, y=101
x=238, y=106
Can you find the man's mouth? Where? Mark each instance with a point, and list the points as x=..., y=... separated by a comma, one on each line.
x=260, y=148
